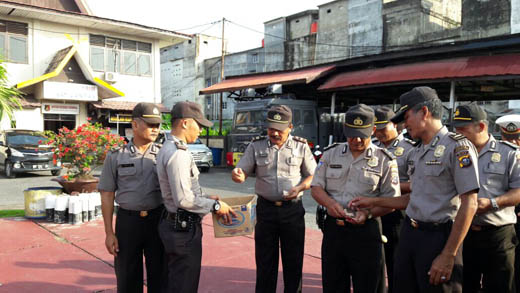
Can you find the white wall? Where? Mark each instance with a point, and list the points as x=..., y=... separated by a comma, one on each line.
x=515, y=16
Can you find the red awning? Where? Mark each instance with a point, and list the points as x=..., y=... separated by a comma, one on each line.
x=306, y=75
x=467, y=67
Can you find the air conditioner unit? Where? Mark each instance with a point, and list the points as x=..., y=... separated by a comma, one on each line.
x=111, y=76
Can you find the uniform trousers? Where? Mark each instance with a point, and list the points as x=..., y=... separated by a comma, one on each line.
x=137, y=235
x=489, y=256
x=279, y=228
x=418, y=247
x=391, y=228
x=183, y=250
x=351, y=251
x=517, y=251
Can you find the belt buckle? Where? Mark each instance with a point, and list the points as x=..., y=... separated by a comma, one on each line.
x=340, y=222
x=143, y=214
x=278, y=203
x=414, y=223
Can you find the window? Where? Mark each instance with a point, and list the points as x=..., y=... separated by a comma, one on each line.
x=308, y=117
x=13, y=41
x=254, y=58
x=118, y=55
x=224, y=105
x=296, y=119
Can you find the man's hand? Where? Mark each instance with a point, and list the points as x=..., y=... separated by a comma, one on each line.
x=238, y=175
x=111, y=244
x=361, y=202
x=359, y=219
x=214, y=197
x=293, y=193
x=226, y=212
x=441, y=269
x=336, y=210
x=483, y=205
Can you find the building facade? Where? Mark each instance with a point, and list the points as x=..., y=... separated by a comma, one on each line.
x=72, y=65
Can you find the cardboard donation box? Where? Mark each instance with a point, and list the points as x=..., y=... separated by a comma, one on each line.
x=244, y=224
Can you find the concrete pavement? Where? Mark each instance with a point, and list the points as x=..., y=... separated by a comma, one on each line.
x=44, y=257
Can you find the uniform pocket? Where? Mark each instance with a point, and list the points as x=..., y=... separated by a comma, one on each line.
x=433, y=170
x=294, y=164
x=262, y=166
x=369, y=180
x=495, y=168
x=335, y=180
x=126, y=170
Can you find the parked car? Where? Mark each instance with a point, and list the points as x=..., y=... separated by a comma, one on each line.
x=201, y=153
x=21, y=151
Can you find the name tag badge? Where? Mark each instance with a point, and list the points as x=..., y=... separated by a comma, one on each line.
x=335, y=166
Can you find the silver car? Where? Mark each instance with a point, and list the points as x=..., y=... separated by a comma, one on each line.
x=201, y=154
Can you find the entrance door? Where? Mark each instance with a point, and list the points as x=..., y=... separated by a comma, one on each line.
x=56, y=121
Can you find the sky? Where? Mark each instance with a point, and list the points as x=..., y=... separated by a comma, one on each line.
x=198, y=15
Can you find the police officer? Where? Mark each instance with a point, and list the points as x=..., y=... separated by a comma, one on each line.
x=489, y=247
x=510, y=128
x=284, y=167
x=352, y=245
x=443, y=172
x=510, y=131
x=180, y=227
x=389, y=138
x=129, y=175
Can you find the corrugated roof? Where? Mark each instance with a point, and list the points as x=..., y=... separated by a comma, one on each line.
x=122, y=106
x=446, y=69
x=303, y=75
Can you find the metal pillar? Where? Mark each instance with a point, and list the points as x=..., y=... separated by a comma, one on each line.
x=332, y=109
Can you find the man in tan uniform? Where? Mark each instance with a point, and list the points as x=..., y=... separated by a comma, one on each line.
x=352, y=245
x=284, y=166
x=489, y=247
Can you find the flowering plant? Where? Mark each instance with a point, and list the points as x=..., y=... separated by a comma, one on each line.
x=82, y=148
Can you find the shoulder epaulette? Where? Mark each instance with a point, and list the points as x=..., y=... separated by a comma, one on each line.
x=257, y=138
x=330, y=146
x=388, y=153
x=181, y=146
x=514, y=146
x=116, y=149
x=412, y=142
x=299, y=139
x=159, y=145
x=456, y=136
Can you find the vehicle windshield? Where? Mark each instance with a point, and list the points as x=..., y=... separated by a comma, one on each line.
x=25, y=139
x=197, y=141
x=249, y=121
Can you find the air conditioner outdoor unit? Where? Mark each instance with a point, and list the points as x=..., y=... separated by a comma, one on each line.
x=111, y=76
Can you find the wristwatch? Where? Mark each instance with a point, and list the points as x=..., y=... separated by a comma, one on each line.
x=216, y=206
x=369, y=214
x=494, y=204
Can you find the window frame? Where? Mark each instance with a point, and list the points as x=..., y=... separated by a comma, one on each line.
x=7, y=42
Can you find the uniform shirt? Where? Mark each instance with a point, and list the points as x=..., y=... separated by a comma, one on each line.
x=499, y=171
x=373, y=173
x=439, y=172
x=400, y=148
x=133, y=177
x=277, y=169
x=179, y=179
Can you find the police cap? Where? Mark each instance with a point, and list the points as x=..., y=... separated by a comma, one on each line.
x=279, y=117
x=359, y=121
x=148, y=112
x=411, y=98
x=192, y=110
x=468, y=114
x=382, y=117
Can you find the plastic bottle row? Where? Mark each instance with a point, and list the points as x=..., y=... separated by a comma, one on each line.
x=73, y=209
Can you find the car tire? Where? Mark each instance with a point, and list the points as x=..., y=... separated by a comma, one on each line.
x=56, y=172
x=8, y=170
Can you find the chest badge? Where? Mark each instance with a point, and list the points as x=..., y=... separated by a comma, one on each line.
x=495, y=157
x=373, y=162
x=399, y=151
x=439, y=151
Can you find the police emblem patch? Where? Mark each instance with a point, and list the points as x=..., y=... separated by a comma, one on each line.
x=399, y=151
x=277, y=117
x=439, y=151
x=358, y=121
x=155, y=111
x=495, y=157
x=511, y=127
x=464, y=161
x=373, y=162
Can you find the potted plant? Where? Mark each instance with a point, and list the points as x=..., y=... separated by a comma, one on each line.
x=80, y=150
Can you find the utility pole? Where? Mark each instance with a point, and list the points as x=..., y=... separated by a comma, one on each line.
x=221, y=78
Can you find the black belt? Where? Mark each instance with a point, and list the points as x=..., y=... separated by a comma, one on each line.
x=142, y=214
x=481, y=228
x=428, y=226
x=185, y=215
x=344, y=223
x=279, y=203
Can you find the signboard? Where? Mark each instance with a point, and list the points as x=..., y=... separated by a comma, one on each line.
x=69, y=91
x=514, y=104
x=120, y=118
x=51, y=108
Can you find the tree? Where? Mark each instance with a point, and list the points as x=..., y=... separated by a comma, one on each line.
x=9, y=96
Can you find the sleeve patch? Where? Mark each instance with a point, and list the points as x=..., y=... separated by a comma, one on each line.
x=464, y=160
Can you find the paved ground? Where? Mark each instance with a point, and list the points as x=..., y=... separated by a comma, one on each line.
x=45, y=257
